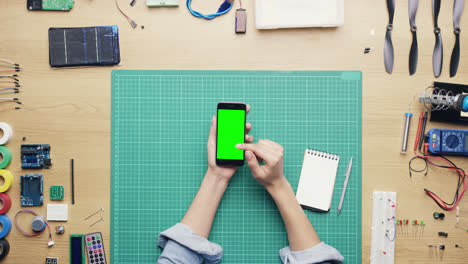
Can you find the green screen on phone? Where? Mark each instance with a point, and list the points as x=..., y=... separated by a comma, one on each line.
x=231, y=131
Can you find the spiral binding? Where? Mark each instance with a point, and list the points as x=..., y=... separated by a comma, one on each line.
x=322, y=154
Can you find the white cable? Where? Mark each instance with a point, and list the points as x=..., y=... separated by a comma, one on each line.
x=7, y=61
x=7, y=133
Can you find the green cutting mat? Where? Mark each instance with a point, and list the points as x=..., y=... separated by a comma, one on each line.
x=160, y=124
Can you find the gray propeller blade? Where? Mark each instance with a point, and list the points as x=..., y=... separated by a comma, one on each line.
x=458, y=6
x=413, y=57
x=437, y=56
x=388, y=45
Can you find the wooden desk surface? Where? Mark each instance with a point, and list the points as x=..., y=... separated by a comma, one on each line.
x=70, y=108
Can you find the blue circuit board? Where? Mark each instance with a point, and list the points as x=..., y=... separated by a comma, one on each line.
x=35, y=156
x=32, y=190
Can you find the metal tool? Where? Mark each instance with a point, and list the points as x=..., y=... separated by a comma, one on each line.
x=435, y=99
x=406, y=128
x=348, y=172
x=98, y=211
x=388, y=45
x=437, y=56
x=458, y=6
x=413, y=57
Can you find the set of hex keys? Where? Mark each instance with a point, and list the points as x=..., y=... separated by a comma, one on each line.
x=403, y=227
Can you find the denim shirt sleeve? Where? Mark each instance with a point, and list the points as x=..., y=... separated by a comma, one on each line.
x=321, y=253
x=181, y=245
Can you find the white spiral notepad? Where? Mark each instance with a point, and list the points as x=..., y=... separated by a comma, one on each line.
x=317, y=180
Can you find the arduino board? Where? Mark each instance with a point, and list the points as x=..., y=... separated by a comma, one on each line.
x=35, y=156
x=53, y=5
x=32, y=190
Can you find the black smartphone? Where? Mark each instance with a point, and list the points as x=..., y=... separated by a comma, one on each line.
x=230, y=131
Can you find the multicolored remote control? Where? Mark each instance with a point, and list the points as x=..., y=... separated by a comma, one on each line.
x=95, y=248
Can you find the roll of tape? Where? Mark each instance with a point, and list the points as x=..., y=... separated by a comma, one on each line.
x=7, y=133
x=4, y=248
x=6, y=174
x=6, y=157
x=6, y=225
x=5, y=198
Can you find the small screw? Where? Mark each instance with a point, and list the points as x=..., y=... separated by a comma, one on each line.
x=24, y=138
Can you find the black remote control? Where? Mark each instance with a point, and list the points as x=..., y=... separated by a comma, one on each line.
x=95, y=248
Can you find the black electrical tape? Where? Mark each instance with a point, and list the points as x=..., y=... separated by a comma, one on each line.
x=4, y=248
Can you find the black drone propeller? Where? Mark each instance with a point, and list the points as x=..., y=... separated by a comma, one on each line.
x=388, y=45
x=437, y=56
x=413, y=57
x=458, y=6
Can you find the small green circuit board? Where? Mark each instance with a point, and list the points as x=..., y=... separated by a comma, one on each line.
x=57, y=192
x=64, y=5
x=159, y=3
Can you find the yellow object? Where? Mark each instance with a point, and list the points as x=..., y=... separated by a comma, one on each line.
x=8, y=177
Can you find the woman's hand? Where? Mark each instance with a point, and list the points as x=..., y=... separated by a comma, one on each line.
x=224, y=173
x=271, y=174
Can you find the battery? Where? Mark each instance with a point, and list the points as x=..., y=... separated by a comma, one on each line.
x=241, y=20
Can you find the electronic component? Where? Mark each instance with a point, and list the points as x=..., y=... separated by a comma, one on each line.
x=55, y=5
x=72, y=174
x=159, y=3
x=31, y=190
x=439, y=215
x=443, y=234
x=131, y=21
x=57, y=212
x=241, y=20
x=35, y=156
x=383, y=227
x=77, y=249
x=59, y=230
x=57, y=192
x=84, y=46
x=448, y=141
x=95, y=248
x=50, y=260
x=38, y=223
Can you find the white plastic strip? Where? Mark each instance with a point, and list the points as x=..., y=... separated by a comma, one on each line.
x=383, y=228
x=7, y=133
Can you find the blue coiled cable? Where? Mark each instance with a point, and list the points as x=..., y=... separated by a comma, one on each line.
x=223, y=9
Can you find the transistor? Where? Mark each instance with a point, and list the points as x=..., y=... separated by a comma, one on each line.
x=443, y=234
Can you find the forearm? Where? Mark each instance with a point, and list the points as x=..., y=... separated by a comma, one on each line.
x=301, y=233
x=201, y=213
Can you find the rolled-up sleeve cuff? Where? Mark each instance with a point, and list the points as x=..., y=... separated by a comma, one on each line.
x=317, y=254
x=182, y=234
